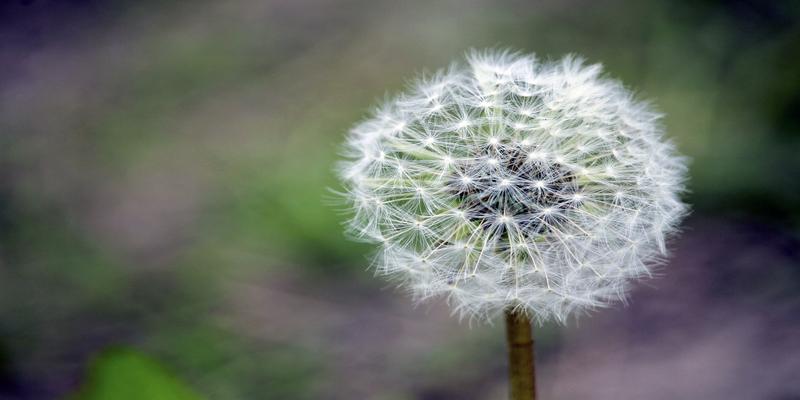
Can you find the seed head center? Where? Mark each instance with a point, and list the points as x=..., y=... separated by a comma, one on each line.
x=519, y=188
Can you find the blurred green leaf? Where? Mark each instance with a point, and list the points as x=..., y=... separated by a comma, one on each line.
x=126, y=374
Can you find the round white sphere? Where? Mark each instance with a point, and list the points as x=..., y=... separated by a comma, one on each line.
x=509, y=182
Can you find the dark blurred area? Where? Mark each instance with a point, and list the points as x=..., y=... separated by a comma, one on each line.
x=165, y=170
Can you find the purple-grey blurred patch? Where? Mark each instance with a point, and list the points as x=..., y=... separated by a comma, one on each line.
x=720, y=322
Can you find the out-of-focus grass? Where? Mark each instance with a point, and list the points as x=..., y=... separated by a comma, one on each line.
x=126, y=375
x=218, y=363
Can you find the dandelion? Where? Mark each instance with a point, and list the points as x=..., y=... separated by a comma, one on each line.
x=538, y=189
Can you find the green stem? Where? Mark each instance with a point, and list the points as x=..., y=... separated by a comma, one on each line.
x=522, y=376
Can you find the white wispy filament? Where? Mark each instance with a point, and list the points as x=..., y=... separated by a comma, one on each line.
x=509, y=182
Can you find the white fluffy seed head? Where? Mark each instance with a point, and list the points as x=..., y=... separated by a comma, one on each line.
x=509, y=182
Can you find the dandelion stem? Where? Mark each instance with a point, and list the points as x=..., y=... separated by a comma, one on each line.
x=522, y=377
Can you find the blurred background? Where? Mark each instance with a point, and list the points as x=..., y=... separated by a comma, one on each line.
x=164, y=170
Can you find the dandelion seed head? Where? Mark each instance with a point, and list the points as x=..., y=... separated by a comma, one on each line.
x=508, y=182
